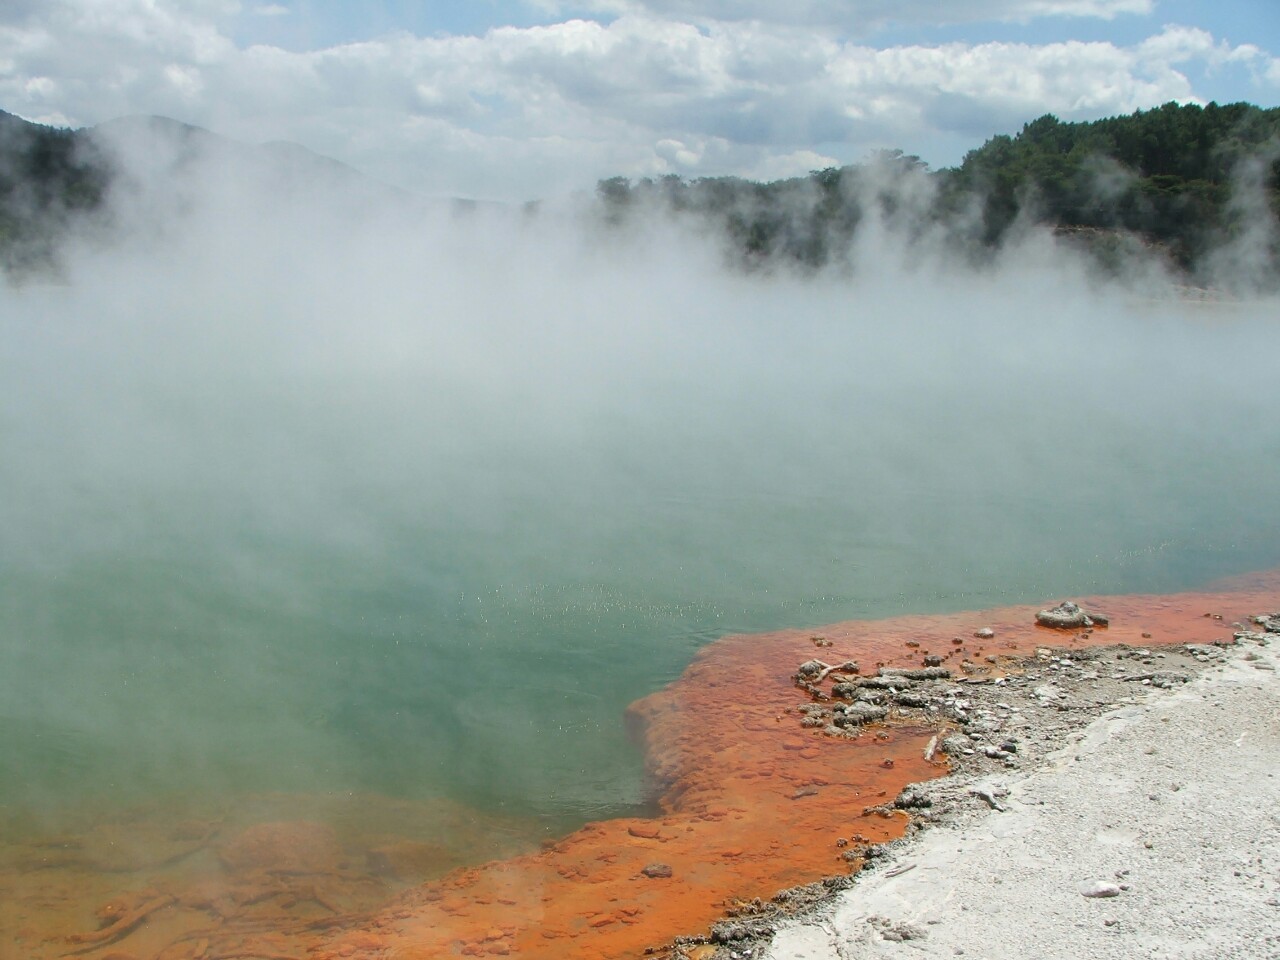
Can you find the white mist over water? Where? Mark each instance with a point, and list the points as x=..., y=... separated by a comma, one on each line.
x=301, y=491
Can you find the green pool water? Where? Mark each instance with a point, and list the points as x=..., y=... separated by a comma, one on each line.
x=281, y=538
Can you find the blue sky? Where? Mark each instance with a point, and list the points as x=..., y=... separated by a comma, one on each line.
x=515, y=99
x=304, y=23
x=310, y=23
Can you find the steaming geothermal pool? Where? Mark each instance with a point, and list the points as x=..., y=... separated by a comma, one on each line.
x=422, y=533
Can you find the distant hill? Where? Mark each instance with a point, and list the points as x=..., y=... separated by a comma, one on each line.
x=181, y=144
x=53, y=180
x=1180, y=183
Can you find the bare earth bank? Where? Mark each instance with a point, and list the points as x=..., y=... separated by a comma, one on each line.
x=1168, y=806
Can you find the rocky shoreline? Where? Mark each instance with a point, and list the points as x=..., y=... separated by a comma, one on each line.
x=1000, y=722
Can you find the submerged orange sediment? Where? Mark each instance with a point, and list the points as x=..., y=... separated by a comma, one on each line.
x=752, y=801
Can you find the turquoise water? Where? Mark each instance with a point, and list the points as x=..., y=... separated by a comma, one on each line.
x=435, y=545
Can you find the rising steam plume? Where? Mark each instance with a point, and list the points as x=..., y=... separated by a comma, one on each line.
x=309, y=484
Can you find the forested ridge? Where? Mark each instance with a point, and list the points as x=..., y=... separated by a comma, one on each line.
x=1167, y=175
x=48, y=178
x=1178, y=182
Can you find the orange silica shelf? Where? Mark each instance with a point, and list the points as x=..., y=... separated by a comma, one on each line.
x=752, y=801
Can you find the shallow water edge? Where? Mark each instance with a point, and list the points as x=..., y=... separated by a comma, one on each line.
x=749, y=801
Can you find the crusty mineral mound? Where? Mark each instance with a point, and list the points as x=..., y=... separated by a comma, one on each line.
x=1068, y=615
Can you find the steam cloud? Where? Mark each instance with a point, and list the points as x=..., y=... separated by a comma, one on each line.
x=304, y=482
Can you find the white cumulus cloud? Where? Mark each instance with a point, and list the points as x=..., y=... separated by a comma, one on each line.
x=861, y=15
x=527, y=112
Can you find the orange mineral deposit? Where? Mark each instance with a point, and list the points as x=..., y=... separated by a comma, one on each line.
x=752, y=802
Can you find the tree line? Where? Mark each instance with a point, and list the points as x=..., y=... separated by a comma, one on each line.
x=1177, y=181
x=49, y=178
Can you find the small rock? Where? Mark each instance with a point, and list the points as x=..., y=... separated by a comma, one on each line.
x=927, y=673
x=810, y=668
x=657, y=871
x=897, y=931
x=856, y=713
x=730, y=931
x=1249, y=636
x=911, y=799
x=1099, y=888
x=1065, y=616
x=986, y=633
x=888, y=682
x=989, y=798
